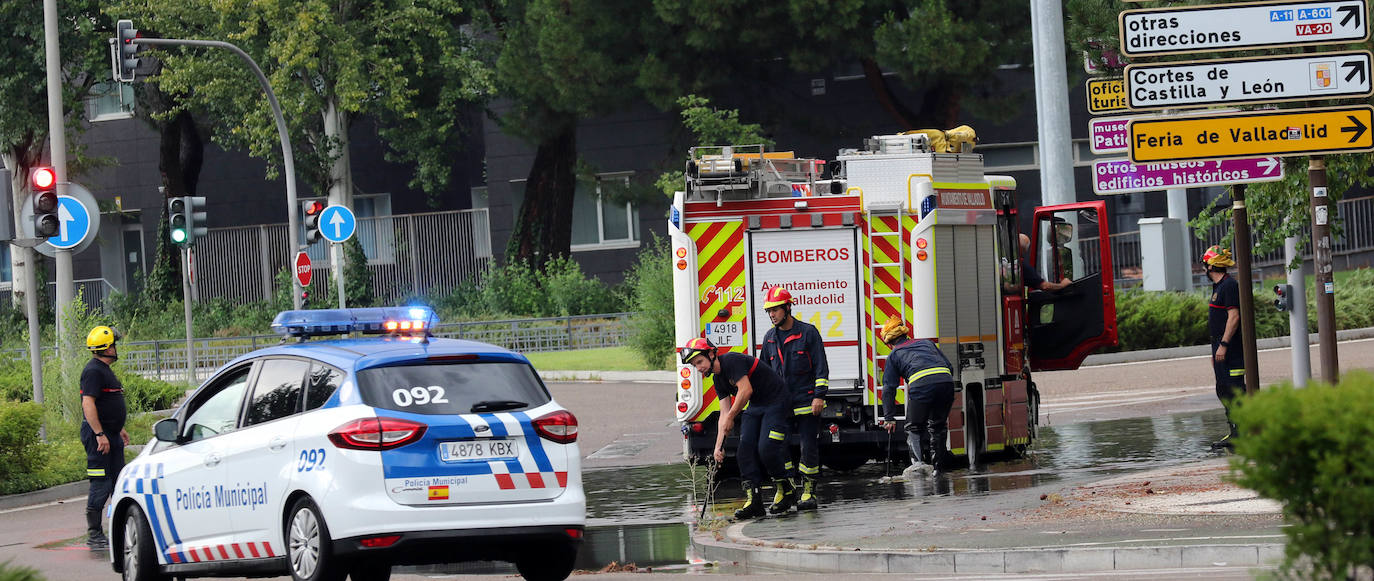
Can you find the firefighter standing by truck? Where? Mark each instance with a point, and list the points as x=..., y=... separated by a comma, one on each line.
x=794, y=349
x=761, y=402
x=1223, y=323
x=929, y=395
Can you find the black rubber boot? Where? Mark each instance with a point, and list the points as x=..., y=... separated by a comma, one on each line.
x=753, y=504
x=95, y=537
x=1226, y=442
x=784, y=498
x=808, y=495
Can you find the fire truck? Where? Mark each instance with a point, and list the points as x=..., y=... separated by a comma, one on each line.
x=899, y=228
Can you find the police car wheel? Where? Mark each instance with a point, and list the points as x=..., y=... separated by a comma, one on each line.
x=140, y=561
x=308, y=546
x=550, y=563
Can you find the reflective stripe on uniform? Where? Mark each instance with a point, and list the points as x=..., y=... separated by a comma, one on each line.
x=801, y=411
x=820, y=381
x=928, y=372
x=789, y=465
x=809, y=469
x=772, y=435
x=95, y=472
x=1237, y=372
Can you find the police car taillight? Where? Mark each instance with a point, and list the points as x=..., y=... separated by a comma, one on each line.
x=559, y=426
x=377, y=433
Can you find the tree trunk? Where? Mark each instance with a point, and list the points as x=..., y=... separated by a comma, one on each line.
x=939, y=105
x=180, y=156
x=544, y=228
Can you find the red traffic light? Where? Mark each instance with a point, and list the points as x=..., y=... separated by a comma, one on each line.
x=313, y=208
x=44, y=178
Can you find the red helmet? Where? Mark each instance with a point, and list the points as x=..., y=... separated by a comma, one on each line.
x=697, y=346
x=776, y=297
x=1218, y=257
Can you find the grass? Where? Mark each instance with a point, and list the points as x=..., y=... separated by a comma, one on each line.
x=604, y=359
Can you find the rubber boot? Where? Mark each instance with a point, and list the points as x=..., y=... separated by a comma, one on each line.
x=1226, y=443
x=785, y=497
x=808, y=495
x=95, y=537
x=753, y=504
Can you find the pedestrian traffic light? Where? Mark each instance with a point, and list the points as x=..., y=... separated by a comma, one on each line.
x=313, y=209
x=178, y=229
x=1283, y=297
x=126, y=61
x=43, y=183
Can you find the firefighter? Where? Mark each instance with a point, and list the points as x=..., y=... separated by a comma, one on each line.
x=1223, y=324
x=794, y=350
x=760, y=402
x=1030, y=277
x=929, y=395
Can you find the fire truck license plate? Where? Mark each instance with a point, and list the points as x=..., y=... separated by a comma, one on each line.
x=727, y=334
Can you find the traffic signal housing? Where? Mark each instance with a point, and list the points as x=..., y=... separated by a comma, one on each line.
x=43, y=184
x=126, y=51
x=178, y=229
x=1283, y=294
x=313, y=209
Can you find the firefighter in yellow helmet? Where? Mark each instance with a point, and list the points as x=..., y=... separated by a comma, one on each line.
x=102, y=428
x=1223, y=324
x=794, y=349
x=929, y=382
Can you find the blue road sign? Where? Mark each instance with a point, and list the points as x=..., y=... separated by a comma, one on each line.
x=337, y=223
x=74, y=222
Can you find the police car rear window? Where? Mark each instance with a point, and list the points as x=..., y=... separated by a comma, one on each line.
x=453, y=388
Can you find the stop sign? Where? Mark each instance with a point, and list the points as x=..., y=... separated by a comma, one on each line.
x=303, y=269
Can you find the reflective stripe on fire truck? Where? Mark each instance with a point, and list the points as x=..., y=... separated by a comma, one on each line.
x=885, y=289
x=720, y=270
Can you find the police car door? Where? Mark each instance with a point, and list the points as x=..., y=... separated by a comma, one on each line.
x=191, y=523
x=260, y=459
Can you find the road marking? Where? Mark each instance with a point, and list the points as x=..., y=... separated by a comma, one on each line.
x=1084, y=406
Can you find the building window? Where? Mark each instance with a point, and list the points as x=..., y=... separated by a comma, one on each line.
x=109, y=101
x=6, y=274
x=599, y=222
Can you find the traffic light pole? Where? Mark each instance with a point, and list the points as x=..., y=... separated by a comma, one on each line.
x=186, y=305
x=288, y=162
x=58, y=136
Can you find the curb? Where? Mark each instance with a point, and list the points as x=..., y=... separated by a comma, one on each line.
x=1202, y=350
x=1015, y=561
x=60, y=492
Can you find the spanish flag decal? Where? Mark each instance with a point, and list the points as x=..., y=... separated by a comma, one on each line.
x=438, y=492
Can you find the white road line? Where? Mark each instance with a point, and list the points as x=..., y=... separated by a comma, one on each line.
x=1083, y=406
x=1133, y=392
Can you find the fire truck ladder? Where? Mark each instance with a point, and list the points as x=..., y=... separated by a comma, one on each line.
x=876, y=211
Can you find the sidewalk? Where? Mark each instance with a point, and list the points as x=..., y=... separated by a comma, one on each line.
x=1179, y=516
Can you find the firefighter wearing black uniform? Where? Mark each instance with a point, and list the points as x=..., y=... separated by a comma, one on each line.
x=794, y=349
x=1223, y=324
x=760, y=402
x=929, y=394
x=102, y=428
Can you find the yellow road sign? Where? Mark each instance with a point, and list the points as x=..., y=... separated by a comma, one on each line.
x=1106, y=95
x=1252, y=134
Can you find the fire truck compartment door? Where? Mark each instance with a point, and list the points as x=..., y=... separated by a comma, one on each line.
x=821, y=270
x=1069, y=242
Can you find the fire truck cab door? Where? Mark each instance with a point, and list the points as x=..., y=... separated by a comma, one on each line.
x=1070, y=246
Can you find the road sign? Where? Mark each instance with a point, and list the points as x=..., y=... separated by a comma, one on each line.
x=1225, y=27
x=78, y=221
x=337, y=223
x=1119, y=176
x=303, y=269
x=1106, y=95
x=1109, y=135
x=1271, y=79
x=1253, y=133
x=74, y=220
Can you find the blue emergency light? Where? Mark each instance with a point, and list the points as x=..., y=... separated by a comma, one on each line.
x=418, y=321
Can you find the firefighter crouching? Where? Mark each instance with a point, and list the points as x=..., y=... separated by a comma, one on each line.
x=794, y=350
x=761, y=404
x=929, y=395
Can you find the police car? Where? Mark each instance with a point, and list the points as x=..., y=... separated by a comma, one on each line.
x=323, y=459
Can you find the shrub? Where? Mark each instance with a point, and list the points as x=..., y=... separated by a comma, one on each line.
x=1150, y=320
x=650, y=283
x=145, y=395
x=20, y=448
x=1309, y=449
x=572, y=293
x=10, y=572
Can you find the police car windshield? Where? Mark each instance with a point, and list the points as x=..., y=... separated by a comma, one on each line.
x=452, y=388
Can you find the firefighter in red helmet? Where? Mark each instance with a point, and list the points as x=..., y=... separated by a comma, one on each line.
x=794, y=349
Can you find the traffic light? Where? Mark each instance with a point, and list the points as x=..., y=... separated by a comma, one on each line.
x=43, y=182
x=195, y=219
x=179, y=230
x=126, y=61
x=1284, y=297
x=313, y=209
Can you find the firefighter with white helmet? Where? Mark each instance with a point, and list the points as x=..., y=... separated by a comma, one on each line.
x=1223, y=323
x=794, y=349
x=102, y=427
x=760, y=402
x=929, y=381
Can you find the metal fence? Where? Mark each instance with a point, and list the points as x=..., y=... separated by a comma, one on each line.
x=408, y=255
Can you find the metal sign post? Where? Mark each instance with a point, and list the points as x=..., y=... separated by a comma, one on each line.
x=1321, y=262
x=1241, y=221
x=186, y=306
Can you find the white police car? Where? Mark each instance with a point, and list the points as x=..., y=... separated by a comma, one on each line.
x=339, y=457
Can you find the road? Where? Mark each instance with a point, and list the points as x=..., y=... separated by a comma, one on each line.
x=629, y=424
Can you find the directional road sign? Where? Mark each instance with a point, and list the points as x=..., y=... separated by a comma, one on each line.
x=1106, y=95
x=1253, y=133
x=1119, y=176
x=1225, y=27
x=303, y=268
x=337, y=223
x=78, y=221
x=1271, y=79
x=1108, y=135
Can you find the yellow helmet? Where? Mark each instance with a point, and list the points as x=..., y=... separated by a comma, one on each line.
x=102, y=338
x=893, y=329
x=1218, y=257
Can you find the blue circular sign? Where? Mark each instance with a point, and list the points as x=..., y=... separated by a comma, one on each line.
x=337, y=223
x=74, y=221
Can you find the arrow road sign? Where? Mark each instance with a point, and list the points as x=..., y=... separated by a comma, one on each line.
x=1253, y=133
x=337, y=223
x=1119, y=176
x=1106, y=95
x=1302, y=77
x=74, y=221
x=1225, y=27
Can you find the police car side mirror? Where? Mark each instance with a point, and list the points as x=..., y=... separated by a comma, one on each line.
x=167, y=430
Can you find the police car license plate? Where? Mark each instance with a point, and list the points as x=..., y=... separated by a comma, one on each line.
x=479, y=450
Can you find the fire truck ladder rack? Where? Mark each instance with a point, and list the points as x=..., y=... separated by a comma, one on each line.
x=874, y=212
x=750, y=170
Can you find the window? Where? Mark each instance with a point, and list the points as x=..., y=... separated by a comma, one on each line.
x=277, y=392
x=6, y=274
x=599, y=222
x=324, y=381
x=453, y=388
x=110, y=100
x=218, y=411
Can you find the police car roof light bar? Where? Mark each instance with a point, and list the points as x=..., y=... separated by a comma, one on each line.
x=419, y=321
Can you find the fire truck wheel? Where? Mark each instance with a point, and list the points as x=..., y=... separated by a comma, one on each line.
x=973, y=429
